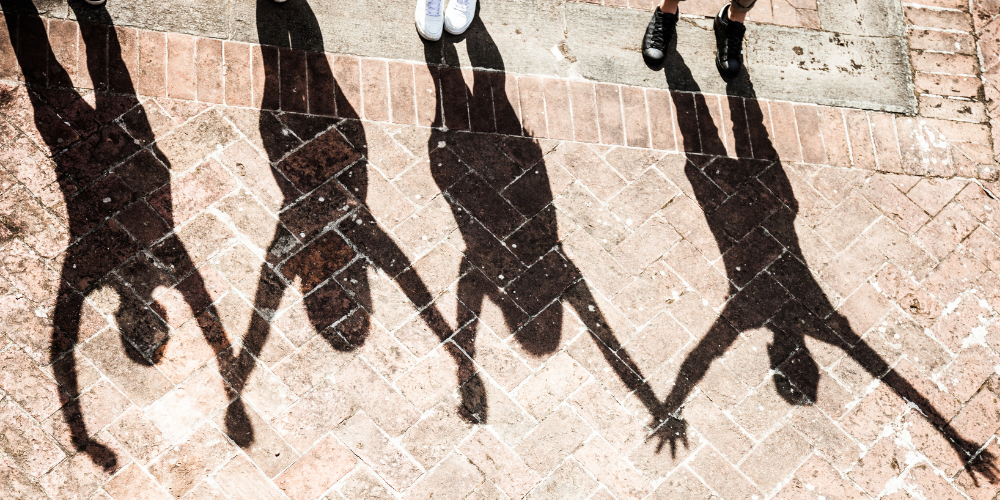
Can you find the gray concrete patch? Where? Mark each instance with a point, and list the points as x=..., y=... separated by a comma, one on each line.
x=784, y=63
x=861, y=63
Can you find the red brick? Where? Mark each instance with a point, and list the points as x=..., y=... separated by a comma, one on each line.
x=33, y=57
x=9, y=67
x=375, y=85
x=636, y=121
x=886, y=143
x=182, y=71
x=810, y=134
x=152, y=77
x=347, y=73
x=425, y=94
x=709, y=115
x=557, y=109
x=947, y=85
x=583, y=100
x=454, y=98
x=759, y=123
x=939, y=62
x=859, y=131
x=294, y=89
x=609, y=114
x=506, y=103
x=237, y=73
x=210, y=85
x=952, y=109
x=63, y=40
x=265, y=67
x=531, y=97
x=317, y=470
x=881, y=463
x=734, y=121
x=786, y=140
x=834, y=137
x=123, y=60
x=481, y=114
x=322, y=87
x=92, y=54
x=942, y=41
x=401, y=93
x=661, y=119
x=937, y=18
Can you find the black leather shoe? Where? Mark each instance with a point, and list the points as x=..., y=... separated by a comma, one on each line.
x=729, y=43
x=658, y=34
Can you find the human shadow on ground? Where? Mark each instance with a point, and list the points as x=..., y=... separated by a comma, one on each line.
x=323, y=182
x=102, y=169
x=750, y=208
x=497, y=186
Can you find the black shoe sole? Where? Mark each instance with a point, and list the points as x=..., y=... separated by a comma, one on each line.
x=654, y=64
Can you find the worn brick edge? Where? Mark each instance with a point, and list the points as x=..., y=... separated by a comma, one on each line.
x=231, y=73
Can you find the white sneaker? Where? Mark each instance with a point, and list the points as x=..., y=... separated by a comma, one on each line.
x=458, y=16
x=95, y=2
x=429, y=19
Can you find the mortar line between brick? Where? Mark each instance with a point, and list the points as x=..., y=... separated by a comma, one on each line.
x=847, y=137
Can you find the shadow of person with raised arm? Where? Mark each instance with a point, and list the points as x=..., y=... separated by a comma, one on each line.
x=497, y=186
x=102, y=169
x=750, y=208
x=323, y=182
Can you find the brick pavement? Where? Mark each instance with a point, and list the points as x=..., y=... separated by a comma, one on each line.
x=222, y=279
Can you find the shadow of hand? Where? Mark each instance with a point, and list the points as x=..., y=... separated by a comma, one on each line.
x=672, y=430
x=984, y=465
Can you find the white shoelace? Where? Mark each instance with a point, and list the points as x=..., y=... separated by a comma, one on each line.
x=461, y=5
x=434, y=8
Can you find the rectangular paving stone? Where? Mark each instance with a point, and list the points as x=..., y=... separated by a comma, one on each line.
x=559, y=435
x=239, y=478
x=239, y=91
x=181, y=67
x=137, y=434
x=455, y=477
x=152, y=68
x=134, y=482
x=25, y=443
x=721, y=476
x=317, y=470
x=544, y=390
x=210, y=78
x=80, y=475
x=761, y=464
x=367, y=441
x=181, y=468
x=600, y=459
x=401, y=93
x=500, y=464
x=558, y=114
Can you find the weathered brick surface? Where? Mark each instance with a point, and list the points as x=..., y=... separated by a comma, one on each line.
x=201, y=299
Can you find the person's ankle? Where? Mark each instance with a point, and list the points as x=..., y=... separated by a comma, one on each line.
x=668, y=9
x=739, y=17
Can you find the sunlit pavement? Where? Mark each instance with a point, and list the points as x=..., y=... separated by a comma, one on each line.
x=248, y=271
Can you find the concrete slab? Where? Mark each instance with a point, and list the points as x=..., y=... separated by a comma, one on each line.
x=861, y=62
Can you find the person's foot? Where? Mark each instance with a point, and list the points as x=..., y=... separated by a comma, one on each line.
x=658, y=34
x=458, y=16
x=95, y=2
x=429, y=19
x=729, y=42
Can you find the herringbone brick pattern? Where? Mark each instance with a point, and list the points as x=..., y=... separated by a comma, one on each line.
x=209, y=300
